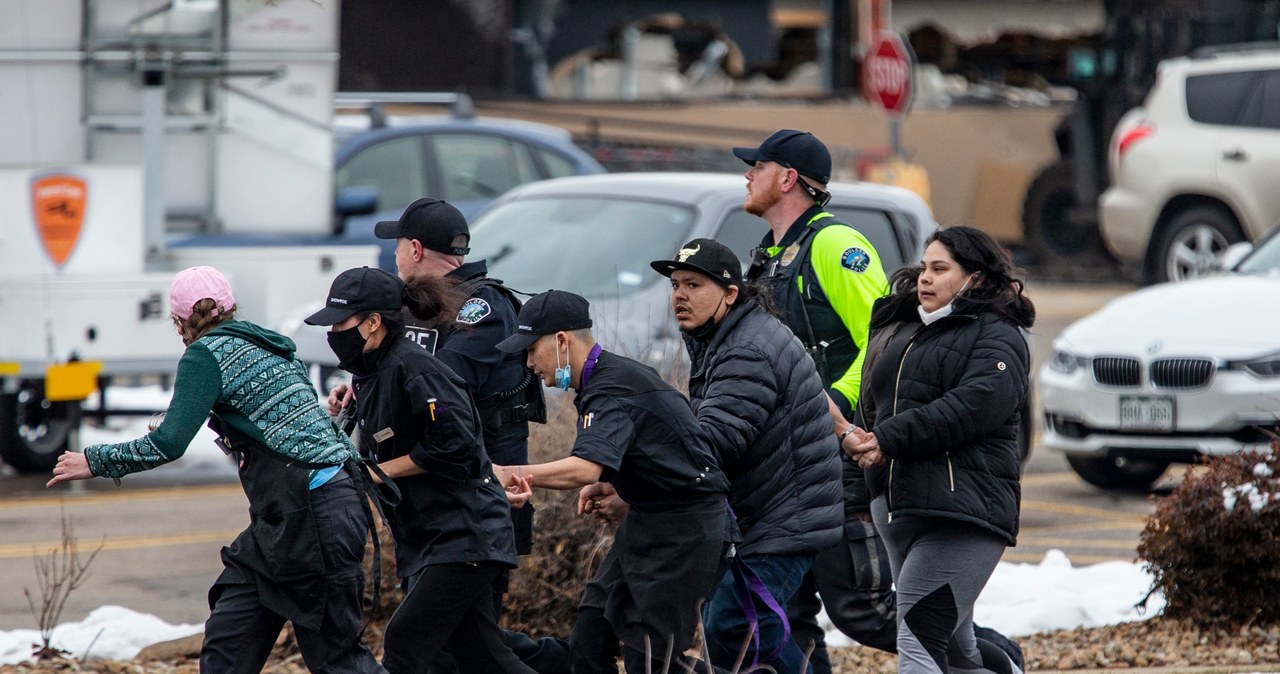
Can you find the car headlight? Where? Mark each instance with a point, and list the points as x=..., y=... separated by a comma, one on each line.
x=1066, y=362
x=1267, y=366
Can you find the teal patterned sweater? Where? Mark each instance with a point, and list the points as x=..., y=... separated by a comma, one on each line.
x=248, y=376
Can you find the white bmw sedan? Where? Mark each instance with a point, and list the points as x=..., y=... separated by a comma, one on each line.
x=1168, y=374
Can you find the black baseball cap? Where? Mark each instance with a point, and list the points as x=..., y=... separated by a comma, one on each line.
x=799, y=150
x=360, y=290
x=707, y=257
x=546, y=314
x=436, y=224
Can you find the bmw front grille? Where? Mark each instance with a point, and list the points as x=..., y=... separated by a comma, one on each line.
x=1117, y=371
x=1181, y=373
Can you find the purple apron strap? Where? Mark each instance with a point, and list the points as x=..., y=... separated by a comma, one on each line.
x=747, y=585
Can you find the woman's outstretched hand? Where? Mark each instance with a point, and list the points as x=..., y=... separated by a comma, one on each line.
x=70, y=466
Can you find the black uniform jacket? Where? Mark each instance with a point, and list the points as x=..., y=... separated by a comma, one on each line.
x=642, y=433
x=763, y=407
x=486, y=318
x=412, y=405
x=943, y=403
x=668, y=553
x=496, y=380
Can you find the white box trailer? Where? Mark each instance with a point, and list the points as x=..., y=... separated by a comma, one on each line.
x=125, y=123
x=80, y=293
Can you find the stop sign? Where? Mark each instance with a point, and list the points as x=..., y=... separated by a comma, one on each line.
x=886, y=74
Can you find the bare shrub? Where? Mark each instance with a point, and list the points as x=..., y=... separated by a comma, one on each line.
x=58, y=573
x=1213, y=545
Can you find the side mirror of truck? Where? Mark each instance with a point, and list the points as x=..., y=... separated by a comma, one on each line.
x=358, y=200
x=350, y=201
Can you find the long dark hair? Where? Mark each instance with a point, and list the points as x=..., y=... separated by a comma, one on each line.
x=999, y=290
x=434, y=300
x=758, y=292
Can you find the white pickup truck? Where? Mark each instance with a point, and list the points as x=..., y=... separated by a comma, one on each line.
x=152, y=118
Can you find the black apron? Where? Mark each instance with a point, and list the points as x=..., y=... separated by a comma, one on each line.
x=279, y=552
x=661, y=566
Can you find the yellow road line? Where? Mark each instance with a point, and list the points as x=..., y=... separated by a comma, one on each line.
x=1050, y=506
x=1060, y=477
x=1059, y=542
x=12, y=550
x=95, y=498
x=1087, y=527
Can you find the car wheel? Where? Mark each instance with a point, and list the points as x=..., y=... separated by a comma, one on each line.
x=1189, y=244
x=33, y=431
x=1050, y=232
x=1117, y=473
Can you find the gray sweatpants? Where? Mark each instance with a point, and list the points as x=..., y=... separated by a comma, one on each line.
x=939, y=568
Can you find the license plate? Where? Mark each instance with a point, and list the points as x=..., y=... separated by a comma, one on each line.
x=1146, y=413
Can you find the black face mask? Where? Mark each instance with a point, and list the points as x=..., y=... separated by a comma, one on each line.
x=704, y=332
x=348, y=346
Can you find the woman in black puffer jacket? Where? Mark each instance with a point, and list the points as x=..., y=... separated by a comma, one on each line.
x=945, y=378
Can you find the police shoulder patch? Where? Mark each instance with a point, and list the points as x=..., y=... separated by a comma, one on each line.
x=473, y=311
x=855, y=259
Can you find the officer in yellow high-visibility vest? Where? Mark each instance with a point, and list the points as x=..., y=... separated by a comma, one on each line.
x=823, y=274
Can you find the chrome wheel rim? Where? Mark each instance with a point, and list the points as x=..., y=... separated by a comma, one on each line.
x=1194, y=252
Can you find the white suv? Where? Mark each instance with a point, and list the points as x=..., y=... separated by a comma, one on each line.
x=1194, y=169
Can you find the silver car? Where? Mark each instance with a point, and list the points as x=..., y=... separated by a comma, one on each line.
x=595, y=236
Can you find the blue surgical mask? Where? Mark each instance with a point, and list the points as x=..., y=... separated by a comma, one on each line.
x=562, y=373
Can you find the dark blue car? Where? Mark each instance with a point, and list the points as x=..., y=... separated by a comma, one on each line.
x=466, y=161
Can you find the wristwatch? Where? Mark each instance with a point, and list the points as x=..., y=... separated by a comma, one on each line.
x=845, y=433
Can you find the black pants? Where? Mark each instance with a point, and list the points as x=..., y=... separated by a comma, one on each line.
x=241, y=631
x=450, y=604
x=547, y=655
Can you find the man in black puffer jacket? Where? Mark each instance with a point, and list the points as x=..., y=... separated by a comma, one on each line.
x=760, y=400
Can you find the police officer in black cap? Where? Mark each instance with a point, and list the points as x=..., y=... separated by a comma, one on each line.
x=452, y=525
x=637, y=437
x=432, y=240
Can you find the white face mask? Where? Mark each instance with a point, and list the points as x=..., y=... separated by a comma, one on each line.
x=931, y=317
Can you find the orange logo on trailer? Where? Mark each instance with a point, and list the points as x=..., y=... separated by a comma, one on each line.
x=57, y=202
